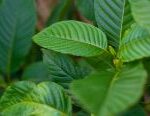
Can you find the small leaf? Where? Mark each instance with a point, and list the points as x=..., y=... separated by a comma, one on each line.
x=72, y=37
x=62, y=69
x=15, y=32
x=113, y=17
x=140, y=11
x=109, y=93
x=135, y=44
x=36, y=72
x=26, y=98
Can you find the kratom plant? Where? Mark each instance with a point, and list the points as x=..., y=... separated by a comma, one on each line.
x=100, y=70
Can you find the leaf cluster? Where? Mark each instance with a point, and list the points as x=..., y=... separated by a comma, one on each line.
x=82, y=63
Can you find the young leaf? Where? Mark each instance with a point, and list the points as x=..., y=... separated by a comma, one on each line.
x=135, y=44
x=72, y=37
x=17, y=23
x=140, y=11
x=62, y=69
x=109, y=93
x=36, y=72
x=111, y=16
x=26, y=98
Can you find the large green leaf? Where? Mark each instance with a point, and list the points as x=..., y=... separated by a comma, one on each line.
x=135, y=44
x=86, y=5
x=36, y=72
x=74, y=38
x=62, y=69
x=109, y=93
x=140, y=11
x=26, y=98
x=17, y=23
x=112, y=17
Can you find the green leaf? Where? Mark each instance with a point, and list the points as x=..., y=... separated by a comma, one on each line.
x=31, y=109
x=72, y=37
x=36, y=72
x=0, y=2
x=140, y=11
x=82, y=113
x=62, y=69
x=113, y=17
x=135, y=44
x=86, y=5
x=60, y=11
x=102, y=62
x=109, y=93
x=26, y=98
x=135, y=111
x=17, y=23
x=127, y=18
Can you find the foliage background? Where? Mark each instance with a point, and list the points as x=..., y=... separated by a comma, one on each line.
x=59, y=68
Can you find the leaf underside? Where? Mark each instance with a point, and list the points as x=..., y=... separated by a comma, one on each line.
x=62, y=69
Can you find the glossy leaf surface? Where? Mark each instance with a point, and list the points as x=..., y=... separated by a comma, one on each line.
x=73, y=37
